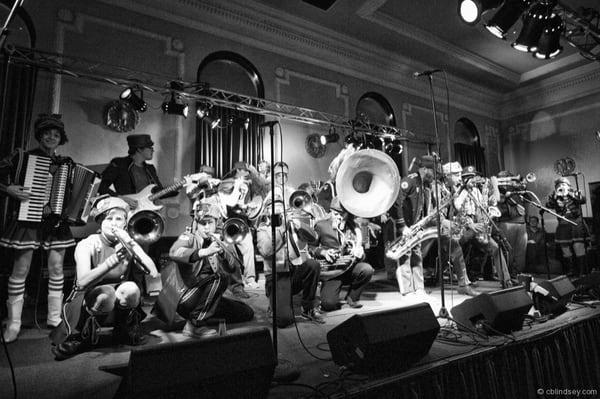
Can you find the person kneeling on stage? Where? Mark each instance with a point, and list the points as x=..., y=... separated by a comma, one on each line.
x=295, y=273
x=102, y=293
x=339, y=237
x=193, y=286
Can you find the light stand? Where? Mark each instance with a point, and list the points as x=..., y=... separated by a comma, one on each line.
x=284, y=370
x=586, y=238
x=437, y=161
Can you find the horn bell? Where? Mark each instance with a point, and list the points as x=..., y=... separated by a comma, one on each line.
x=146, y=226
x=367, y=183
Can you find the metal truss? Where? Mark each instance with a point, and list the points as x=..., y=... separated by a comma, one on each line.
x=194, y=91
x=582, y=30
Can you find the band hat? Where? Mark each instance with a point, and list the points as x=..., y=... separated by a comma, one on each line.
x=209, y=170
x=105, y=204
x=45, y=122
x=451, y=168
x=469, y=171
x=561, y=180
x=206, y=210
x=139, y=141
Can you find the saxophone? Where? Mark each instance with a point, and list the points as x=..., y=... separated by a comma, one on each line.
x=417, y=234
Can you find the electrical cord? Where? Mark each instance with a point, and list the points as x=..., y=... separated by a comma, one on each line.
x=10, y=364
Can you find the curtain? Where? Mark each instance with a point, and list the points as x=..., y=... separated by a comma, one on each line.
x=471, y=155
x=230, y=142
x=17, y=88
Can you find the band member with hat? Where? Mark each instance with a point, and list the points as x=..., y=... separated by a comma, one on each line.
x=131, y=174
x=295, y=273
x=195, y=282
x=340, y=236
x=103, y=266
x=25, y=237
x=567, y=203
x=412, y=204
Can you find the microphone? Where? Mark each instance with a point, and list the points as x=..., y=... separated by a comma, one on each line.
x=268, y=124
x=426, y=73
x=536, y=288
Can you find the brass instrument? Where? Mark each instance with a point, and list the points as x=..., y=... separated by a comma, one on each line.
x=235, y=230
x=300, y=199
x=367, y=183
x=227, y=267
x=146, y=226
x=417, y=233
x=134, y=250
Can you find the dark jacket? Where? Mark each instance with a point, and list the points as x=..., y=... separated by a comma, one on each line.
x=411, y=200
x=118, y=172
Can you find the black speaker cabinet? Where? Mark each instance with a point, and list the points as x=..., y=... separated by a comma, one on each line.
x=233, y=366
x=561, y=289
x=502, y=310
x=384, y=340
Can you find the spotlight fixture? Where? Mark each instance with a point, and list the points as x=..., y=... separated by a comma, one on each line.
x=549, y=43
x=506, y=17
x=394, y=146
x=470, y=11
x=330, y=137
x=137, y=102
x=533, y=26
x=176, y=105
x=203, y=114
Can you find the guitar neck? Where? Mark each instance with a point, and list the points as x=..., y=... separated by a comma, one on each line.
x=169, y=189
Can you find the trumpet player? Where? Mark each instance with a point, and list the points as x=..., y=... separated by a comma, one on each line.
x=567, y=203
x=203, y=265
x=102, y=275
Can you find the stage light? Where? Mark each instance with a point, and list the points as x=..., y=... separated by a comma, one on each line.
x=470, y=11
x=136, y=101
x=172, y=107
x=506, y=17
x=330, y=137
x=549, y=43
x=393, y=146
x=535, y=21
x=203, y=114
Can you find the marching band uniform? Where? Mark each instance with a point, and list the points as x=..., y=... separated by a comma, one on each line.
x=24, y=237
x=294, y=272
x=195, y=283
x=103, y=269
x=330, y=237
x=567, y=235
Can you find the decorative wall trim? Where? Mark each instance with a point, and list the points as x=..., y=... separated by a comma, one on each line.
x=492, y=140
x=265, y=28
x=283, y=76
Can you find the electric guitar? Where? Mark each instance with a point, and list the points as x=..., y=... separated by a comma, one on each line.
x=146, y=197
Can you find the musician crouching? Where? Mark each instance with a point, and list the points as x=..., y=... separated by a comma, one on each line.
x=102, y=293
x=567, y=203
x=193, y=287
x=53, y=236
x=295, y=273
x=340, y=236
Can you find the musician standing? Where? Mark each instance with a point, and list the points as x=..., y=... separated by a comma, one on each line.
x=203, y=268
x=102, y=272
x=339, y=235
x=24, y=237
x=567, y=203
x=131, y=174
x=412, y=204
x=512, y=223
x=295, y=273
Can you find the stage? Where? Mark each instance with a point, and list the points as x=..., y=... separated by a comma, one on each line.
x=558, y=354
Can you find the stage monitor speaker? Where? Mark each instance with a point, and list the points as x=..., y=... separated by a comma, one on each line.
x=239, y=365
x=503, y=311
x=560, y=292
x=384, y=340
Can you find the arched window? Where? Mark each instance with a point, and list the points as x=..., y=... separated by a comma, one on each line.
x=235, y=137
x=467, y=145
x=373, y=108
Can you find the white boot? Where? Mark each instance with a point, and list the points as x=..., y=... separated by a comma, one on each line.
x=13, y=325
x=54, y=310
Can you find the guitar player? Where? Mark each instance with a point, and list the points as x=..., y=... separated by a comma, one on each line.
x=130, y=175
x=339, y=234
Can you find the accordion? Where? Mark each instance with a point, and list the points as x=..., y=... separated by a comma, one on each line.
x=67, y=195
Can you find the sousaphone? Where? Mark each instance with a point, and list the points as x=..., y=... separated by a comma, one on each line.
x=367, y=183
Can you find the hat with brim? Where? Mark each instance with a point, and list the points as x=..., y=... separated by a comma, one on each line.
x=469, y=171
x=46, y=122
x=105, y=204
x=452, y=168
x=561, y=180
x=139, y=141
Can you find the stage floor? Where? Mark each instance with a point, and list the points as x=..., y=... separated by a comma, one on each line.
x=303, y=345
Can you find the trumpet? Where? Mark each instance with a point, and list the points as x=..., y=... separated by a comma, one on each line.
x=300, y=199
x=235, y=230
x=227, y=266
x=145, y=263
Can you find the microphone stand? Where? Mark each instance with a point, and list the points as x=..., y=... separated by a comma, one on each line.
x=436, y=161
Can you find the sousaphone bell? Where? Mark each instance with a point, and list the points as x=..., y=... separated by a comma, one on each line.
x=367, y=183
